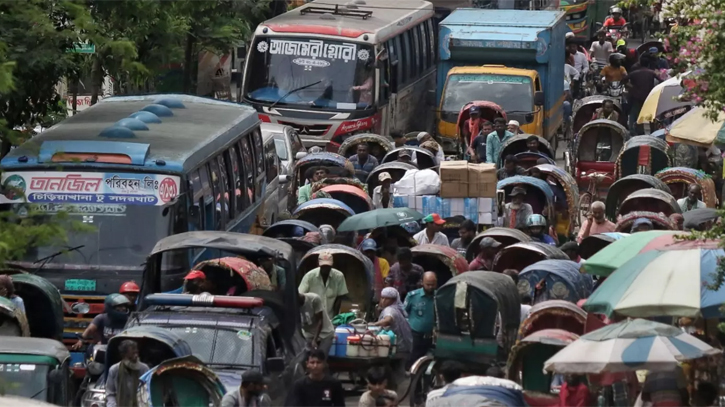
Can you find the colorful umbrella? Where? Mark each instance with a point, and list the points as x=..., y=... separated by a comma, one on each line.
x=672, y=281
x=630, y=345
x=681, y=130
x=604, y=262
x=663, y=98
x=379, y=218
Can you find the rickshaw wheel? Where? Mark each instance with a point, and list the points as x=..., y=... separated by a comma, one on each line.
x=585, y=205
x=420, y=384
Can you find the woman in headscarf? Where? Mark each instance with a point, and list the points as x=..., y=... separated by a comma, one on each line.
x=7, y=290
x=394, y=317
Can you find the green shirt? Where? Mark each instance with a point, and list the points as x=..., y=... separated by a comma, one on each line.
x=304, y=194
x=336, y=287
x=421, y=311
x=494, y=144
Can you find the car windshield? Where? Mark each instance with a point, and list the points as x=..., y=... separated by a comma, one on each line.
x=281, y=147
x=512, y=93
x=311, y=73
x=24, y=380
x=219, y=346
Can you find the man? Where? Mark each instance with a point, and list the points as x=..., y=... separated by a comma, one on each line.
x=614, y=72
x=251, y=393
x=472, y=128
x=105, y=326
x=432, y=232
x=275, y=273
x=131, y=290
x=571, y=74
x=425, y=136
x=449, y=372
x=122, y=380
x=382, y=196
x=421, y=316
x=537, y=227
x=639, y=85
x=304, y=193
x=630, y=54
x=571, y=249
x=488, y=248
x=404, y=156
x=316, y=325
x=432, y=147
x=496, y=139
x=707, y=395
x=657, y=62
x=581, y=64
x=600, y=51
x=404, y=276
x=370, y=249
x=194, y=282
x=363, y=161
x=466, y=233
x=596, y=223
x=616, y=20
x=641, y=225
x=514, y=127
x=510, y=168
x=327, y=282
x=532, y=144
x=607, y=111
x=479, y=142
x=398, y=138
x=525, y=306
x=692, y=201
x=517, y=211
x=317, y=389
x=666, y=388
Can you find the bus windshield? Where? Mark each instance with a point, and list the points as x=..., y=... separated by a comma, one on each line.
x=311, y=73
x=512, y=93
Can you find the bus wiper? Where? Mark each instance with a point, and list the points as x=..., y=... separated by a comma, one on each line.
x=46, y=259
x=293, y=91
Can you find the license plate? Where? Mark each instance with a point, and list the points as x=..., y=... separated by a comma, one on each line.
x=80, y=285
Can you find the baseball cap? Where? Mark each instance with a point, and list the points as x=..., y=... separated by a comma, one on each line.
x=474, y=109
x=404, y=153
x=368, y=244
x=487, y=242
x=195, y=274
x=253, y=377
x=654, y=50
x=325, y=259
x=434, y=218
x=384, y=176
x=517, y=191
x=570, y=35
x=514, y=122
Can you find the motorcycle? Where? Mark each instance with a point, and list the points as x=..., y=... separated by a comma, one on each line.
x=615, y=89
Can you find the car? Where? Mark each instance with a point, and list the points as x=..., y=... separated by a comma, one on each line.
x=289, y=150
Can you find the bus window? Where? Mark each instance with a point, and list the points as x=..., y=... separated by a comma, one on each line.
x=208, y=199
x=407, y=60
x=425, y=39
x=241, y=200
x=228, y=187
x=394, y=60
x=417, y=51
x=433, y=40
x=270, y=152
x=196, y=221
x=249, y=168
x=259, y=158
x=219, y=191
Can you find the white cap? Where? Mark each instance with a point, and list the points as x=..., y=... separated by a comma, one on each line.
x=384, y=176
x=421, y=135
x=569, y=35
x=514, y=122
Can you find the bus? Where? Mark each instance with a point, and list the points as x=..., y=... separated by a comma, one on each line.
x=578, y=17
x=334, y=68
x=133, y=170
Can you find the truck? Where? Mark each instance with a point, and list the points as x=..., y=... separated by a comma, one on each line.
x=512, y=58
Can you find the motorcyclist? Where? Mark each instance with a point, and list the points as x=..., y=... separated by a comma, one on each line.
x=614, y=72
x=600, y=51
x=105, y=326
x=536, y=228
x=616, y=20
x=630, y=54
x=131, y=290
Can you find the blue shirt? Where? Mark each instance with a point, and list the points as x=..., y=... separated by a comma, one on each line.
x=421, y=311
x=494, y=144
x=544, y=239
x=369, y=165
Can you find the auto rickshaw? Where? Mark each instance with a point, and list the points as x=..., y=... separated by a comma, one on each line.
x=505, y=236
x=554, y=280
x=44, y=306
x=182, y=381
x=659, y=221
x=566, y=217
x=489, y=111
x=679, y=179
x=233, y=275
x=538, y=193
x=12, y=320
x=642, y=155
x=521, y=255
x=554, y=314
x=35, y=368
x=584, y=109
x=424, y=159
x=357, y=199
x=291, y=231
x=624, y=187
x=337, y=165
x=594, y=151
x=378, y=145
x=651, y=200
x=323, y=211
x=442, y=260
x=592, y=244
x=396, y=169
x=516, y=146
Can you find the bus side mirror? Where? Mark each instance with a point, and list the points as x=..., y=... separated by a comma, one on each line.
x=539, y=98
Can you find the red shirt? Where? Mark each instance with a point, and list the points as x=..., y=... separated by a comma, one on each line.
x=612, y=22
x=574, y=397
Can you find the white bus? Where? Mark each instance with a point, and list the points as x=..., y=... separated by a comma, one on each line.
x=334, y=68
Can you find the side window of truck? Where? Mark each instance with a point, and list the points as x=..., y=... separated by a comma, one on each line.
x=537, y=84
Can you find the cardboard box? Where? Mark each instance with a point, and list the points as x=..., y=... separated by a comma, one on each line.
x=454, y=171
x=451, y=189
x=482, y=180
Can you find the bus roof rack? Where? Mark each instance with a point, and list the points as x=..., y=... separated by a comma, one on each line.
x=337, y=10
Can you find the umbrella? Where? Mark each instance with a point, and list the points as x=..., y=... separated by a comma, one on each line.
x=605, y=261
x=681, y=130
x=379, y=218
x=672, y=281
x=696, y=217
x=663, y=97
x=634, y=344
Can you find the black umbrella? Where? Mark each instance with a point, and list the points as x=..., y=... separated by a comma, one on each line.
x=697, y=217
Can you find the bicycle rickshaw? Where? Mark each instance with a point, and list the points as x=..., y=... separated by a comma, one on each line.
x=624, y=187
x=584, y=109
x=291, y=231
x=396, y=170
x=651, y=200
x=336, y=164
x=378, y=145
x=538, y=193
x=424, y=158
x=521, y=255
x=554, y=280
x=642, y=155
x=505, y=236
x=554, y=314
x=659, y=221
x=566, y=217
x=442, y=260
x=516, y=146
x=489, y=111
x=679, y=179
x=323, y=211
x=357, y=199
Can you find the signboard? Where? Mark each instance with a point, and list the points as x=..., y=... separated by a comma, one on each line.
x=88, y=188
x=82, y=48
x=82, y=103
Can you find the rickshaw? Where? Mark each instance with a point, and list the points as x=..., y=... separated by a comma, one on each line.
x=357, y=199
x=521, y=255
x=679, y=179
x=335, y=163
x=590, y=245
x=233, y=275
x=651, y=200
x=584, y=109
x=538, y=193
x=12, y=320
x=516, y=146
x=489, y=111
x=35, y=368
x=642, y=155
x=424, y=158
x=566, y=218
x=396, y=170
x=285, y=230
x=505, y=236
x=44, y=306
x=323, y=211
x=467, y=308
x=594, y=151
x=337, y=181
x=481, y=391
x=182, y=381
x=378, y=145
x=442, y=260
x=624, y=187
x=659, y=221
x=554, y=314
x=554, y=280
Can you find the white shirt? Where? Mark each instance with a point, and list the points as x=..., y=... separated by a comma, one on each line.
x=378, y=198
x=439, y=238
x=571, y=72
x=525, y=310
x=683, y=204
x=580, y=63
x=601, y=52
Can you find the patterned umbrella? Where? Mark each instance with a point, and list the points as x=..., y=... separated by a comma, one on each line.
x=663, y=97
x=634, y=344
x=604, y=262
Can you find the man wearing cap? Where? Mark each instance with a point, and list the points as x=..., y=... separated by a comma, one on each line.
x=382, y=267
x=421, y=316
x=251, y=393
x=327, y=282
x=404, y=156
x=316, y=325
x=514, y=127
x=194, y=282
x=496, y=140
x=382, y=196
x=488, y=247
x=432, y=232
x=517, y=211
x=425, y=136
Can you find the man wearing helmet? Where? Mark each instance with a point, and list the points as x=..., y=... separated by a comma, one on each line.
x=616, y=20
x=105, y=326
x=131, y=290
x=536, y=227
x=614, y=72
